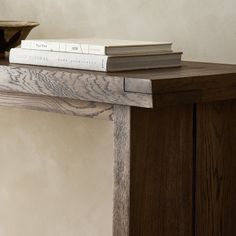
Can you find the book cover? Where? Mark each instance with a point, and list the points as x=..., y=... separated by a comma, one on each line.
x=98, y=46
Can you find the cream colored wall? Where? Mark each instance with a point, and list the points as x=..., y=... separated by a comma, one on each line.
x=204, y=29
x=55, y=175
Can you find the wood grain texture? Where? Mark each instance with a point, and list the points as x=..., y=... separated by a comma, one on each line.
x=193, y=96
x=87, y=86
x=121, y=204
x=161, y=171
x=194, y=82
x=57, y=105
x=192, y=75
x=216, y=169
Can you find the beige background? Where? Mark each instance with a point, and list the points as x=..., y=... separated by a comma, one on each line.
x=204, y=29
x=55, y=169
x=55, y=175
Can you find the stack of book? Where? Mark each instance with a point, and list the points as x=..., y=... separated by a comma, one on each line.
x=96, y=54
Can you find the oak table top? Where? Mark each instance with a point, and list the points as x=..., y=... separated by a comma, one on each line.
x=192, y=82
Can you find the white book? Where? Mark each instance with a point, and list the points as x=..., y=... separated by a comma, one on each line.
x=111, y=47
x=93, y=62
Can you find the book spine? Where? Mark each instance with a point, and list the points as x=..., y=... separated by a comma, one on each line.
x=63, y=47
x=58, y=59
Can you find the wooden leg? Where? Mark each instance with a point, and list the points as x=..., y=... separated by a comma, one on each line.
x=153, y=171
x=216, y=169
x=121, y=206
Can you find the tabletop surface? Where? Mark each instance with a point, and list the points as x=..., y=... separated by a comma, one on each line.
x=189, y=72
x=191, y=76
x=188, y=69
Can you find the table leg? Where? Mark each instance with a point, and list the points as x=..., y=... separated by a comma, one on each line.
x=153, y=171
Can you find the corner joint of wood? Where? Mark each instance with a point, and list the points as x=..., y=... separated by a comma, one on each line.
x=138, y=85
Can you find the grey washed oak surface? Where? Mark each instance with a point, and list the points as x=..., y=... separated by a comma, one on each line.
x=57, y=105
x=82, y=85
x=121, y=194
x=89, y=93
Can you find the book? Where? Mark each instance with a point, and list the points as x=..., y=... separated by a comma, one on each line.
x=110, y=47
x=93, y=62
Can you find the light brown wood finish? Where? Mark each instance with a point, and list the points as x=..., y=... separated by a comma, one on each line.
x=194, y=82
x=121, y=206
x=190, y=76
x=77, y=84
x=57, y=105
x=216, y=169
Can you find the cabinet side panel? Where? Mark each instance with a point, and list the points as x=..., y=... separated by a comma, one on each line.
x=216, y=169
x=161, y=171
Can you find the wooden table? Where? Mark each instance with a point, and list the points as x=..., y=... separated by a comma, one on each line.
x=174, y=139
